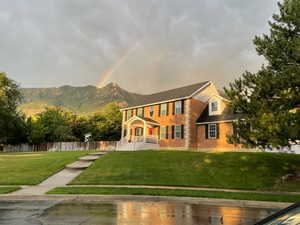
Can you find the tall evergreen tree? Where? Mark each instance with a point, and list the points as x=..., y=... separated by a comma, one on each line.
x=270, y=98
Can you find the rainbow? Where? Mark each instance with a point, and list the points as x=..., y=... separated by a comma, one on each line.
x=105, y=78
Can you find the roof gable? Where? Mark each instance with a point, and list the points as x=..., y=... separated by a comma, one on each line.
x=144, y=119
x=220, y=97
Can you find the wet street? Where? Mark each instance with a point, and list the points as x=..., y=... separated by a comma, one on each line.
x=52, y=212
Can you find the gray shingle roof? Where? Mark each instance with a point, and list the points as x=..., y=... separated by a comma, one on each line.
x=226, y=115
x=177, y=93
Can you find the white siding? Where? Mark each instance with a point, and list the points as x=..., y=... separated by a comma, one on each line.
x=205, y=94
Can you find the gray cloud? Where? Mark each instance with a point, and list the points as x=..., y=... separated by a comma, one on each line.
x=57, y=42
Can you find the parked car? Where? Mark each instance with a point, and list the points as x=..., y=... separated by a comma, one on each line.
x=287, y=216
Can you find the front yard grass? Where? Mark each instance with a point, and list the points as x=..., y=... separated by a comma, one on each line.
x=6, y=190
x=33, y=168
x=178, y=193
x=233, y=170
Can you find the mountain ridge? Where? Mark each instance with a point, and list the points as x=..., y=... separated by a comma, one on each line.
x=81, y=100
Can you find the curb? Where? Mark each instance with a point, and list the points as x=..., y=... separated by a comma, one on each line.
x=116, y=198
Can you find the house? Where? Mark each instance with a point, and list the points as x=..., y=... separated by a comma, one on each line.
x=190, y=117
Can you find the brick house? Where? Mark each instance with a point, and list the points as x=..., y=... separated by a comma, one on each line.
x=190, y=117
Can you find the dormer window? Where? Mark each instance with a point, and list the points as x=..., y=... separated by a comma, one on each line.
x=214, y=106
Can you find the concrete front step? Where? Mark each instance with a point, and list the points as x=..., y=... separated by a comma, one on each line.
x=79, y=165
x=89, y=158
x=98, y=153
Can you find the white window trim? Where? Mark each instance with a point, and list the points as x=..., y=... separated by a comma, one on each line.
x=177, y=126
x=216, y=132
x=163, y=135
x=131, y=114
x=216, y=104
x=140, y=110
x=216, y=112
x=161, y=109
x=181, y=105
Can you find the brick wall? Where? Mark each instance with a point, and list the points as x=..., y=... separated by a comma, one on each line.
x=196, y=108
x=216, y=144
x=169, y=120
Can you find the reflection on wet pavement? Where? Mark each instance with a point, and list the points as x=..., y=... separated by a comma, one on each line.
x=145, y=213
x=125, y=213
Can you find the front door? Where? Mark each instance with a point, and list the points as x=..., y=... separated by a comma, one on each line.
x=151, y=131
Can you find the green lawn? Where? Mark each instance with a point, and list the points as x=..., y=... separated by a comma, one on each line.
x=253, y=171
x=6, y=190
x=33, y=168
x=181, y=193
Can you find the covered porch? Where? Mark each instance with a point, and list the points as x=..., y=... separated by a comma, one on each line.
x=138, y=129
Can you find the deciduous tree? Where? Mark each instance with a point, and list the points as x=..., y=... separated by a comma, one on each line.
x=12, y=122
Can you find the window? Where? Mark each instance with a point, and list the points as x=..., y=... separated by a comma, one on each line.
x=214, y=106
x=178, y=107
x=178, y=131
x=139, y=131
x=140, y=112
x=212, y=131
x=164, y=109
x=151, y=111
x=129, y=114
x=164, y=132
x=125, y=133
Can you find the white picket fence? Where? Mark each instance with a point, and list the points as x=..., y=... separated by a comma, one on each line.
x=63, y=146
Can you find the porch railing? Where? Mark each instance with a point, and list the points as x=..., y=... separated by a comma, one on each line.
x=147, y=139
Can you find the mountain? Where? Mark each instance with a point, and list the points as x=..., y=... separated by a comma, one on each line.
x=82, y=100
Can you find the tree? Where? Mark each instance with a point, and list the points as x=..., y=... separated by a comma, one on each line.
x=12, y=122
x=58, y=125
x=106, y=124
x=270, y=98
x=52, y=125
x=80, y=127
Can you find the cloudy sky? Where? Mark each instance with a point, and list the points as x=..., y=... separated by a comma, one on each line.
x=144, y=45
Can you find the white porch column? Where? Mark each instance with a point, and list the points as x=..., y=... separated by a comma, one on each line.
x=128, y=130
x=145, y=130
x=123, y=124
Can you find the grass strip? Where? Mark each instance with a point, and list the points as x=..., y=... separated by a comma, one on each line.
x=174, y=192
x=230, y=170
x=33, y=168
x=6, y=190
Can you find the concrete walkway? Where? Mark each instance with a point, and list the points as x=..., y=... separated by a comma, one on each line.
x=61, y=178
